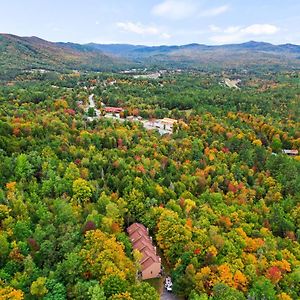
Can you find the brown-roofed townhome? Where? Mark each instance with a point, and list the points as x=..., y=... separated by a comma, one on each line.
x=141, y=241
x=113, y=110
x=291, y=152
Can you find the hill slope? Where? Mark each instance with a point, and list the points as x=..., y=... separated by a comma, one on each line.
x=27, y=53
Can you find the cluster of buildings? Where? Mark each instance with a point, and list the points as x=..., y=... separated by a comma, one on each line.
x=231, y=83
x=290, y=152
x=166, y=123
x=163, y=126
x=141, y=241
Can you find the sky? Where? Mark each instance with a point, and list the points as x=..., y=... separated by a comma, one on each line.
x=153, y=22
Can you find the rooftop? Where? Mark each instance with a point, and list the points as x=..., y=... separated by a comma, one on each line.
x=142, y=242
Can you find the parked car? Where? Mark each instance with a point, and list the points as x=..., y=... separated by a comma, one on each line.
x=168, y=284
x=169, y=288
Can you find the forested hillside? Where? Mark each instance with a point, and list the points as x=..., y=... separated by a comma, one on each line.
x=19, y=55
x=220, y=198
x=23, y=54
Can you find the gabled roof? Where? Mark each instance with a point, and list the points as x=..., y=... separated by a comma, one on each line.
x=142, y=242
x=136, y=226
x=113, y=109
x=149, y=255
x=149, y=262
x=290, y=152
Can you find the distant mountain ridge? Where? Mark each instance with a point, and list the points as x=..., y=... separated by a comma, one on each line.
x=249, y=54
x=122, y=49
x=26, y=53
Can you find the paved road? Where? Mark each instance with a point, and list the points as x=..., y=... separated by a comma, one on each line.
x=168, y=296
x=165, y=295
x=93, y=105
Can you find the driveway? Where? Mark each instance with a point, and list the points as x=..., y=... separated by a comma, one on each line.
x=165, y=295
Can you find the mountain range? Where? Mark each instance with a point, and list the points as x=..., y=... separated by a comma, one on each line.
x=26, y=53
x=132, y=50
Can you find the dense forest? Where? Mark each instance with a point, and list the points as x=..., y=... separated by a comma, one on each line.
x=219, y=196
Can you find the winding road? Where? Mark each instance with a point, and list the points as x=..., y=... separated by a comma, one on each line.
x=93, y=105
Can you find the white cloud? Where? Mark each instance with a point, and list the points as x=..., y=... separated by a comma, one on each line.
x=141, y=29
x=174, y=9
x=236, y=33
x=258, y=29
x=215, y=11
x=138, y=28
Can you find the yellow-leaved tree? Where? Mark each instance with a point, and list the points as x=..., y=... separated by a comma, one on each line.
x=9, y=293
x=104, y=256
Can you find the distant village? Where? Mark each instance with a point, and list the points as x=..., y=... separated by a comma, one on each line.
x=163, y=126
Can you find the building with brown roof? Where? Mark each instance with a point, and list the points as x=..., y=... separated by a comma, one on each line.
x=113, y=110
x=291, y=152
x=141, y=241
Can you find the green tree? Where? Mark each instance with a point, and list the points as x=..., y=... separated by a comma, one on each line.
x=114, y=284
x=222, y=291
x=4, y=246
x=24, y=168
x=194, y=296
x=91, y=112
x=276, y=144
x=82, y=191
x=38, y=288
x=96, y=292
x=143, y=291
x=262, y=289
x=172, y=236
x=57, y=290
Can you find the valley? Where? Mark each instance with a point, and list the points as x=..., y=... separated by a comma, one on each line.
x=210, y=172
x=26, y=54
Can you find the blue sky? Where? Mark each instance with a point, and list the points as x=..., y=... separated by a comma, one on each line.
x=154, y=22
